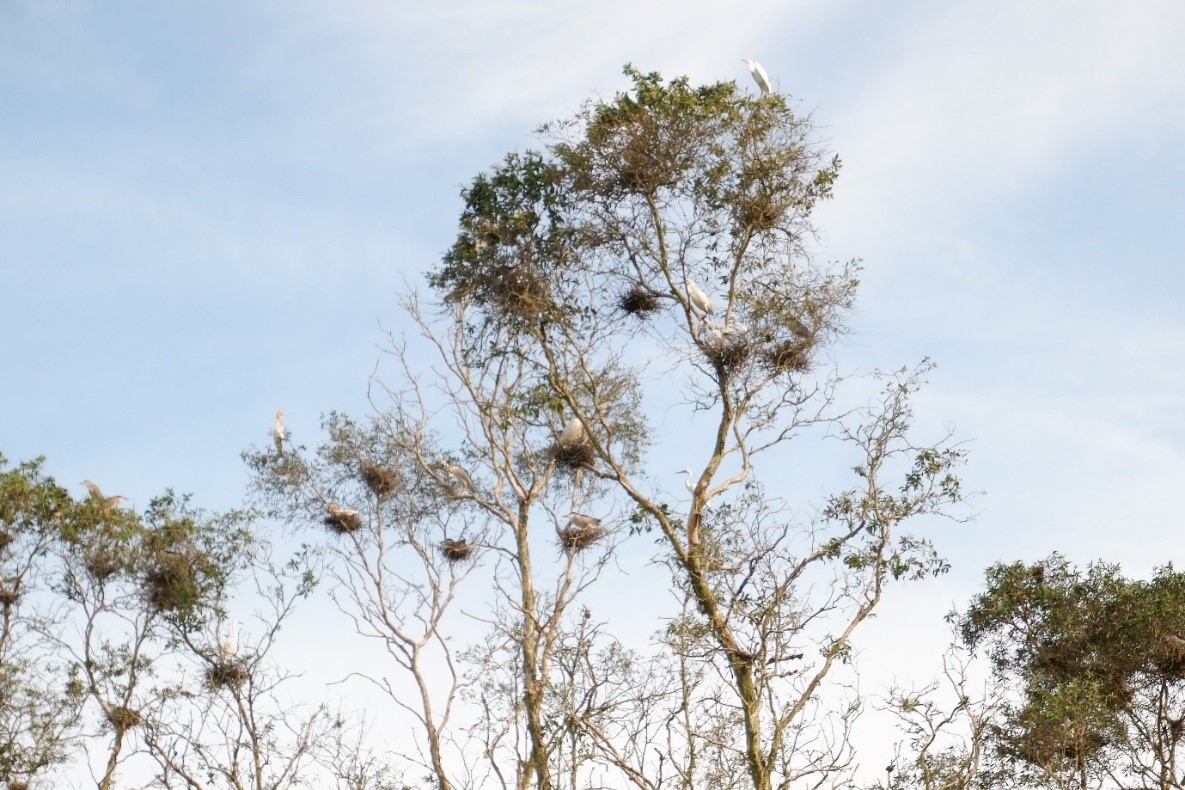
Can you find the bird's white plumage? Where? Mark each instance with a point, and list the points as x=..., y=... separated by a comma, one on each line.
x=583, y=521
x=573, y=432
x=459, y=476
x=278, y=434
x=228, y=640
x=697, y=297
x=687, y=483
x=759, y=75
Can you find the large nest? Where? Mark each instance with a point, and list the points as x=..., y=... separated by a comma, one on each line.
x=379, y=480
x=578, y=537
x=639, y=302
x=123, y=719
x=728, y=355
x=6, y=538
x=103, y=564
x=8, y=596
x=456, y=550
x=173, y=585
x=519, y=291
x=790, y=356
x=226, y=674
x=574, y=455
x=343, y=520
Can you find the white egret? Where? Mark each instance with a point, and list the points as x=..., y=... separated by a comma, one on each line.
x=698, y=298
x=228, y=641
x=460, y=476
x=573, y=432
x=583, y=521
x=759, y=75
x=733, y=331
x=278, y=434
x=687, y=483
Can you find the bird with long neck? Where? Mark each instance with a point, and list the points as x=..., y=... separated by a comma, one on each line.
x=695, y=517
x=759, y=76
x=278, y=435
x=105, y=502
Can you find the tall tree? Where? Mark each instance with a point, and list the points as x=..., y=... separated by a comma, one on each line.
x=650, y=264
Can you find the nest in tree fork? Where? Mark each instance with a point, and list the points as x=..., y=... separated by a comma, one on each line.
x=729, y=355
x=123, y=719
x=343, y=520
x=574, y=455
x=791, y=356
x=173, y=585
x=226, y=674
x=102, y=564
x=379, y=480
x=8, y=596
x=638, y=302
x=456, y=550
x=577, y=537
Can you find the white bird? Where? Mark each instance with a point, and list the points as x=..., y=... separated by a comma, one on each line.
x=759, y=75
x=583, y=521
x=713, y=333
x=228, y=641
x=573, y=432
x=733, y=331
x=687, y=483
x=278, y=434
x=698, y=298
x=459, y=476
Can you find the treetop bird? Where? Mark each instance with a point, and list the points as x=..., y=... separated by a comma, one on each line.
x=759, y=75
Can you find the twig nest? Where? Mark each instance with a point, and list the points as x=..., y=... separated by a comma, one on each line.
x=379, y=480
x=581, y=532
x=227, y=674
x=791, y=356
x=638, y=302
x=728, y=355
x=343, y=520
x=520, y=291
x=123, y=719
x=173, y=585
x=574, y=455
x=102, y=564
x=8, y=596
x=456, y=550
x=6, y=538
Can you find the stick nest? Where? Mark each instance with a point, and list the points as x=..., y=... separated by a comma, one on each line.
x=729, y=356
x=226, y=674
x=123, y=719
x=173, y=585
x=791, y=356
x=456, y=550
x=575, y=537
x=8, y=597
x=102, y=564
x=379, y=480
x=574, y=455
x=343, y=522
x=639, y=302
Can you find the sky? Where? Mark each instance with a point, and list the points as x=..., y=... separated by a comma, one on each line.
x=208, y=211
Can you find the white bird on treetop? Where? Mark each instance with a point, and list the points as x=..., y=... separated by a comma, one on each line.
x=228, y=641
x=698, y=298
x=573, y=432
x=278, y=434
x=759, y=75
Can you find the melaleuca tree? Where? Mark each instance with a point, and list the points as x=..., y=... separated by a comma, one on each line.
x=650, y=265
x=1095, y=666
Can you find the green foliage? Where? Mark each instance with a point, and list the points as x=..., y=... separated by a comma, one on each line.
x=1094, y=657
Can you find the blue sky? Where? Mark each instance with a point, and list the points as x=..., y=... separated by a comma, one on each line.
x=208, y=210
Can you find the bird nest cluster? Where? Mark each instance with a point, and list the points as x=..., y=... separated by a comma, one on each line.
x=639, y=302
x=123, y=719
x=173, y=585
x=574, y=455
x=790, y=356
x=343, y=521
x=578, y=537
x=226, y=674
x=456, y=550
x=379, y=480
x=102, y=564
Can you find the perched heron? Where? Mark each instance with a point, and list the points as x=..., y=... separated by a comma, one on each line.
x=342, y=512
x=573, y=432
x=583, y=521
x=687, y=483
x=228, y=641
x=459, y=476
x=759, y=75
x=733, y=331
x=105, y=502
x=698, y=298
x=278, y=434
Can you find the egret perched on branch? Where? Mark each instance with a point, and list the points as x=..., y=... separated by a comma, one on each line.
x=459, y=476
x=759, y=76
x=697, y=297
x=228, y=641
x=573, y=432
x=278, y=434
x=687, y=483
x=733, y=331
